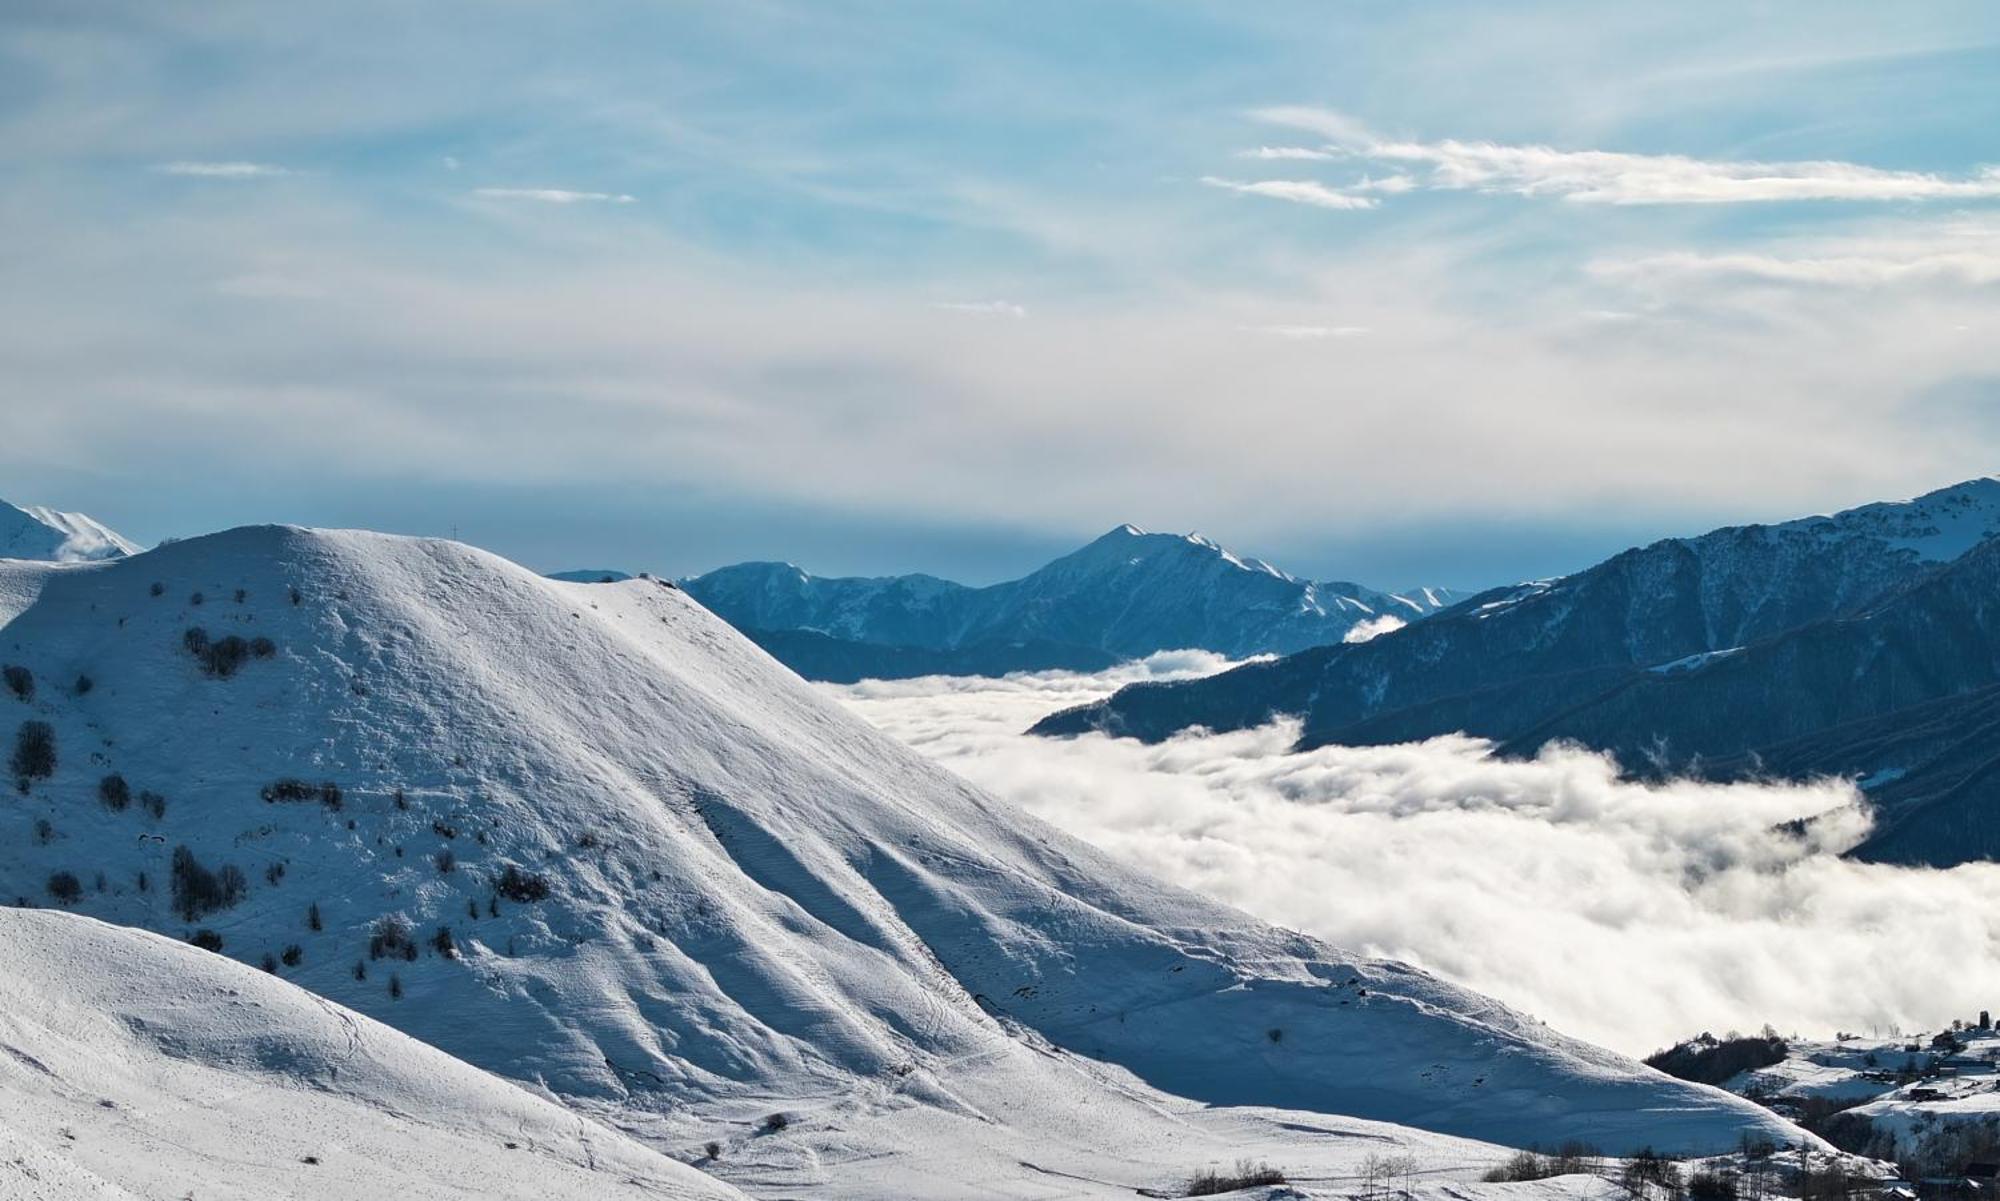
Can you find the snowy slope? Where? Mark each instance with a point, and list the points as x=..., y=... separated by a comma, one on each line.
x=33, y=532
x=754, y=902
x=131, y=1066
x=1127, y=594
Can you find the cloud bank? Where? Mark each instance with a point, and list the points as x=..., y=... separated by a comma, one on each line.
x=1628, y=915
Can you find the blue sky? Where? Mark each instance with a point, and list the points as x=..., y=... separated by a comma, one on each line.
x=1400, y=293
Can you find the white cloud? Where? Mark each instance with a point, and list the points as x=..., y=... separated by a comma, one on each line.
x=1862, y=271
x=623, y=352
x=555, y=196
x=1627, y=914
x=1612, y=177
x=1374, y=627
x=985, y=308
x=1298, y=191
x=1290, y=154
x=231, y=170
x=1909, y=258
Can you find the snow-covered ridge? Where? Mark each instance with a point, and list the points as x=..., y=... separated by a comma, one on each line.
x=1506, y=662
x=34, y=532
x=590, y=838
x=1129, y=593
x=132, y=1066
x=1938, y=526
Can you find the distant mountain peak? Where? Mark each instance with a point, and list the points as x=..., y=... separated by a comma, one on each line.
x=1128, y=539
x=51, y=535
x=1127, y=593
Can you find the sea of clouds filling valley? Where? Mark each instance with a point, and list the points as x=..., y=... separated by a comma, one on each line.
x=1632, y=915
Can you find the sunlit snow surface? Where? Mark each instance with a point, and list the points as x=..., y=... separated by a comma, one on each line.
x=132, y=1066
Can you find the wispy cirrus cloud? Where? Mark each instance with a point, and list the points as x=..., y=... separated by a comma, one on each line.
x=1606, y=176
x=982, y=308
x=1953, y=252
x=555, y=196
x=1297, y=191
x=222, y=170
x=1304, y=154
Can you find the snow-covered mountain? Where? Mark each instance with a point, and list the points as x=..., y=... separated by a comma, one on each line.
x=589, y=838
x=135, y=1066
x=33, y=532
x=1125, y=595
x=1512, y=661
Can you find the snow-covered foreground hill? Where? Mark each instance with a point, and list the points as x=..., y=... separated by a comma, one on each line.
x=131, y=1066
x=588, y=837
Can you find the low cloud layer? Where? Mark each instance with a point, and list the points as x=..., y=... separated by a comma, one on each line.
x=1628, y=915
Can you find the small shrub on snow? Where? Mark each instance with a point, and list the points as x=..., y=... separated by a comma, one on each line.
x=395, y=987
x=114, y=792
x=1209, y=1181
x=65, y=887
x=1570, y=1159
x=207, y=940
x=84, y=684
x=34, y=752
x=20, y=681
x=775, y=1123
x=293, y=790
x=153, y=803
x=198, y=891
x=391, y=937
x=1650, y=1168
x=292, y=955
x=219, y=657
x=521, y=887
x=442, y=943
x=313, y=922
